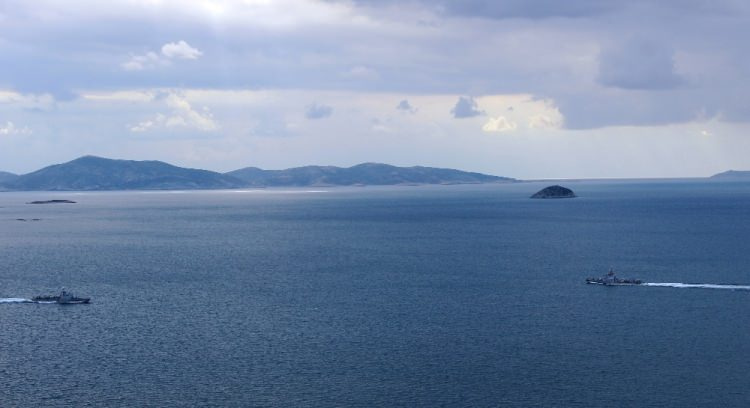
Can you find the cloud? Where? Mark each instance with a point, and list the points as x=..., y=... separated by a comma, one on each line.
x=362, y=73
x=10, y=129
x=537, y=9
x=542, y=121
x=148, y=124
x=121, y=96
x=316, y=111
x=499, y=124
x=466, y=107
x=169, y=52
x=377, y=125
x=638, y=64
x=34, y=102
x=546, y=9
x=180, y=50
x=272, y=124
x=317, y=45
x=405, y=106
x=145, y=61
x=181, y=116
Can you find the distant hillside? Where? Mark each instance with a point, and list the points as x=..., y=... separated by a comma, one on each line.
x=96, y=173
x=91, y=173
x=6, y=177
x=732, y=175
x=361, y=174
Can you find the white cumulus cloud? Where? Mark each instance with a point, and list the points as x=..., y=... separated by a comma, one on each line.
x=499, y=124
x=11, y=129
x=148, y=124
x=169, y=51
x=27, y=101
x=181, y=116
x=542, y=121
x=181, y=50
x=141, y=62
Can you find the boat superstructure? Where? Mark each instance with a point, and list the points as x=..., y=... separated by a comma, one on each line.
x=610, y=279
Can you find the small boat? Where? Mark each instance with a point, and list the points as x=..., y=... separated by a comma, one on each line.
x=610, y=279
x=64, y=298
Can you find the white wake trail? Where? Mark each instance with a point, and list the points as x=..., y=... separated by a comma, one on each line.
x=14, y=300
x=696, y=285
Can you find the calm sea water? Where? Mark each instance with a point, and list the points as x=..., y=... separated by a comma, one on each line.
x=404, y=296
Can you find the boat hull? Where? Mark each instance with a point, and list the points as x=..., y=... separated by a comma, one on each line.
x=58, y=300
x=611, y=280
x=74, y=302
x=614, y=283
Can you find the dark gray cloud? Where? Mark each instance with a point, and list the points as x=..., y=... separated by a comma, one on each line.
x=466, y=107
x=625, y=108
x=316, y=111
x=405, y=106
x=509, y=8
x=570, y=52
x=638, y=64
x=543, y=9
x=527, y=8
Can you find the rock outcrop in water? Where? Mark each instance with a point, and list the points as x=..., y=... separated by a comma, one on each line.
x=554, y=192
x=52, y=202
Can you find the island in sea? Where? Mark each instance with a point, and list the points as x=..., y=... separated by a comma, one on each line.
x=52, y=202
x=91, y=173
x=731, y=175
x=554, y=192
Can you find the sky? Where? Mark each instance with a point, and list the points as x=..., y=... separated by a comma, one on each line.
x=517, y=88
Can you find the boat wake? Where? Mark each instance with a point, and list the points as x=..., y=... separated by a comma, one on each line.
x=696, y=285
x=23, y=300
x=15, y=300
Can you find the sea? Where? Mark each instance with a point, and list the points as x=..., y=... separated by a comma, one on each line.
x=402, y=296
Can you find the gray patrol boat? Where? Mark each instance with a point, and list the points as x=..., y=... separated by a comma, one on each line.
x=64, y=298
x=610, y=279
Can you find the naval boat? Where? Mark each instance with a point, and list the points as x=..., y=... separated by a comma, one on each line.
x=610, y=279
x=64, y=298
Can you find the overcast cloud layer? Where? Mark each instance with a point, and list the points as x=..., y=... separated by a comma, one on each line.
x=581, y=88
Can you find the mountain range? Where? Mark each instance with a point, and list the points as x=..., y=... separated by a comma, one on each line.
x=90, y=173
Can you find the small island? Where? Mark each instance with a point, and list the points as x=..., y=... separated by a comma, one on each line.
x=731, y=175
x=554, y=192
x=53, y=202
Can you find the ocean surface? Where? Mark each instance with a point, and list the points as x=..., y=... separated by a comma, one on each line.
x=379, y=296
